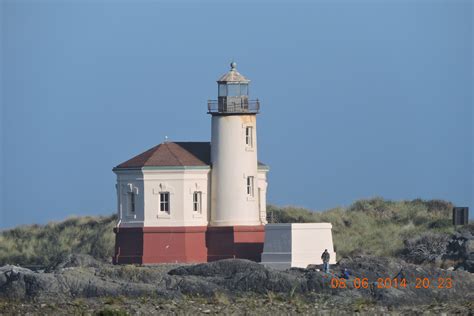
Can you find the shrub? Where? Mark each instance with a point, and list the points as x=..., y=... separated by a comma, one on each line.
x=44, y=245
x=440, y=223
x=425, y=248
x=112, y=312
x=374, y=226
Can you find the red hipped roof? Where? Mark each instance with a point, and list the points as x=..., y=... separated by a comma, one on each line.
x=172, y=154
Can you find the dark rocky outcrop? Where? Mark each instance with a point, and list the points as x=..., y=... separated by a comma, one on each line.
x=442, y=250
x=376, y=268
x=461, y=250
x=75, y=260
x=76, y=279
x=427, y=248
x=85, y=277
x=242, y=276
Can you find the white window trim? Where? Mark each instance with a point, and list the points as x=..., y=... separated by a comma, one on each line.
x=164, y=214
x=197, y=209
x=198, y=213
x=250, y=188
x=130, y=191
x=249, y=137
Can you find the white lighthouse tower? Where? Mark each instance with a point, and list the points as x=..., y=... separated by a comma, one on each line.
x=234, y=186
x=238, y=185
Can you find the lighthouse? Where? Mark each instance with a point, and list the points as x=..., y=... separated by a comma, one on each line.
x=237, y=188
x=234, y=153
x=197, y=201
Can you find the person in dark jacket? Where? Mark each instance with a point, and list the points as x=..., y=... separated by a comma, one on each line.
x=325, y=257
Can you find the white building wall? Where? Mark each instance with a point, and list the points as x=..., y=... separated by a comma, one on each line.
x=308, y=243
x=297, y=244
x=130, y=181
x=262, y=194
x=232, y=162
x=181, y=184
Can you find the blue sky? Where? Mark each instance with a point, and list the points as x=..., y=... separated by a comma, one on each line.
x=359, y=98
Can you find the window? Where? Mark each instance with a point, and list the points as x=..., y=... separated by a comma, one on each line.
x=222, y=90
x=249, y=136
x=165, y=202
x=233, y=90
x=131, y=202
x=250, y=186
x=197, y=202
x=244, y=90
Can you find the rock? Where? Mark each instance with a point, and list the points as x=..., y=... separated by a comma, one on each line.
x=426, y=248
x=224, y=268
x=375, y=268
x=232, y=278
x=23, y=283
x=442, y=249
x=242, y=275
x=66, y=283
x=314, y=267
x=73, y=261
x=469, y=246
x=15, y=269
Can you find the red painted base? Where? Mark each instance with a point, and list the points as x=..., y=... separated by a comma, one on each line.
x=148, y=245
x=245, y=242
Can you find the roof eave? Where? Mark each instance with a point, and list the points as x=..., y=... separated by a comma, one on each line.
x=263, y=168
x=144, y=168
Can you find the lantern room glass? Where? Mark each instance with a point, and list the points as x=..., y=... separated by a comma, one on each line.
x=244, y=89
x=222, y=89
x=233, y=89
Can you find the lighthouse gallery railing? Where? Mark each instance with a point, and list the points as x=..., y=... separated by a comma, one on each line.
x=233, y=106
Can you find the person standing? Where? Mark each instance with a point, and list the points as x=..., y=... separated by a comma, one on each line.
x=325, y=257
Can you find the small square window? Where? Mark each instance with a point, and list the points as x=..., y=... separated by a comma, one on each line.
x=197, y=202
x=165, y=202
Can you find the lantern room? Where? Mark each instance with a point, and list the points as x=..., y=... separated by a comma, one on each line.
x=233, y=92
x=233, y=84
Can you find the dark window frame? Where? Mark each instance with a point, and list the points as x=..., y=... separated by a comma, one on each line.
x=165, y=205
x=197, y=201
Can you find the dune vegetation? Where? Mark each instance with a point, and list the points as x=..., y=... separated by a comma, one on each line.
x=372, y=226
x=46, y=244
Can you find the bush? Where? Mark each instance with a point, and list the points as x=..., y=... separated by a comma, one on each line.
x=374, y=226
x=45, y=245
x=440, y=223
x=425, y=248
x=108, y=311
